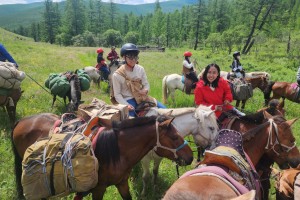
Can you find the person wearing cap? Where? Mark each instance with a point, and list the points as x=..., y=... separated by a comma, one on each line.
x=5, y=56
x=113, y=56
x=101, y=65
x=188, y=69
x=236, y=65
x=134, y=72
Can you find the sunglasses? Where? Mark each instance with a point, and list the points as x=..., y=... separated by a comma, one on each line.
x=132, y=57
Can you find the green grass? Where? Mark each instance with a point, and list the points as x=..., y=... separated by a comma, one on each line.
x=38, y=60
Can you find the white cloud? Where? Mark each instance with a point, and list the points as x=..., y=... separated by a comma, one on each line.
x=132, y=2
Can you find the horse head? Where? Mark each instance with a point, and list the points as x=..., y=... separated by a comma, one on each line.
x=207, y=126
x=75, y=93
x=281, y=146
x=169, y=143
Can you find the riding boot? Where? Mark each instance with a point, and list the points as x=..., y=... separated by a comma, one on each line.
x=238, y=113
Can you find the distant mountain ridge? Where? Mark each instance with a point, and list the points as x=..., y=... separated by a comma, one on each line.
x=14, y=15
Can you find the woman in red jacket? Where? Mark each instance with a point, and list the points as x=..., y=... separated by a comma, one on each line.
x=214, y=91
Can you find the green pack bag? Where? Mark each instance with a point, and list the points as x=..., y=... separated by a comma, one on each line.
x=58, y=166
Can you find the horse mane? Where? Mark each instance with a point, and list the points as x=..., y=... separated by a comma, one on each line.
x=255, y=118
x=252, y=132
x=107, y=148
x=130, y=123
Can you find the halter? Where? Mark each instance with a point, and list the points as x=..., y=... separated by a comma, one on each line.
x=270, y=139
x=158, y=145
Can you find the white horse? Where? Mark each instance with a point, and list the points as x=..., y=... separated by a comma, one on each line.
x=93, y=74
x=199, y=122
x=170, y=83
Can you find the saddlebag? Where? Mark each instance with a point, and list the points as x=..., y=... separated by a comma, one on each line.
x=241, y=91
x=58, y=166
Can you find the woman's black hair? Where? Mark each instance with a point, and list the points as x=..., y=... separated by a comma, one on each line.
x=215, y=82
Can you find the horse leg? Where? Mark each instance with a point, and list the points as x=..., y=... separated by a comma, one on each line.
x=243, y=104
x=54, y=99
x=11, y=110
x=123, y=189
x=18, y=170
x=146, y=172
x=157, y=161
x=172, y=94
x=237, y=103
x=98, y=192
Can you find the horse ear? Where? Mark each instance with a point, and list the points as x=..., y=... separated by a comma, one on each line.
x=267, y=115
x=169, y=113
x=167, y=122
x=292, y=121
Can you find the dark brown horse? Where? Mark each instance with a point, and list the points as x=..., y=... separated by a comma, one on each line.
x=117, y=150
x=282, y=90
x=272, y=138
x=260, y=82
x=10, y=103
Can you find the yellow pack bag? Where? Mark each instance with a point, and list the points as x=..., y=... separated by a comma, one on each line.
x=58, y=166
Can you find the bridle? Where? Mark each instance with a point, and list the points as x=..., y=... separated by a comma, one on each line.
x=158, y=144
x=270, y=145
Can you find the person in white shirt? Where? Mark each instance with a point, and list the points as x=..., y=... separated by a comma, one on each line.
x=188, y=69
x=122, y=93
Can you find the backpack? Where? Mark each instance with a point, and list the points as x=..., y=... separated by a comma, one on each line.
x=240, y=90
x=59, y=165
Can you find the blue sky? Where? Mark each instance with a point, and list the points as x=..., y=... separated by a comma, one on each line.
x=2, y=2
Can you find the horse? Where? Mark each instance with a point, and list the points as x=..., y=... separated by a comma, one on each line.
x=199, y=122
x=225, y=75
x=287, y=183
x=93, y=73
x=260, y=82
x=272, y=138
x=117, y=149
x=74, y=94
x=9, y=103
x=282, y=90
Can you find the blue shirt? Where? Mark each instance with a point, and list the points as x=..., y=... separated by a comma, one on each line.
x=5, y=56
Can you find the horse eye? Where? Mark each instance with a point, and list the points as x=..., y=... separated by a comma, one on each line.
x=212, y=128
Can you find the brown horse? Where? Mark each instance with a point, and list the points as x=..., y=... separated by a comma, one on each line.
x=282, y=90
x=10, y=103
x=117, y=150
x=272, y=138
x=260, y=82
x=287, y=184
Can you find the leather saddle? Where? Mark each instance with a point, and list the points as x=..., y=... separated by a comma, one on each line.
x=229, y=153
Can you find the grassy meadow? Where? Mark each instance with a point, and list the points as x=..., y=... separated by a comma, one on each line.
x=38, y=60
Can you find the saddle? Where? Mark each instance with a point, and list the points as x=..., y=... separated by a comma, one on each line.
x=296, y=91
x=229, y=153
x=189, y=86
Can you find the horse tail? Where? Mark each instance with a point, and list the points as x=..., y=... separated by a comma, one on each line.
x=268, y=90
x=75, y=91
x=17, y=166
x=165, y=89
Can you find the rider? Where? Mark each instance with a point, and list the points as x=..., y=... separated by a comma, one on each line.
x=5, y=56
x=101, y=64
x=213, y=90
x=298, y=76
x=236, y=65
x=188, y=68
x=113, y=56
x=122, y=92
